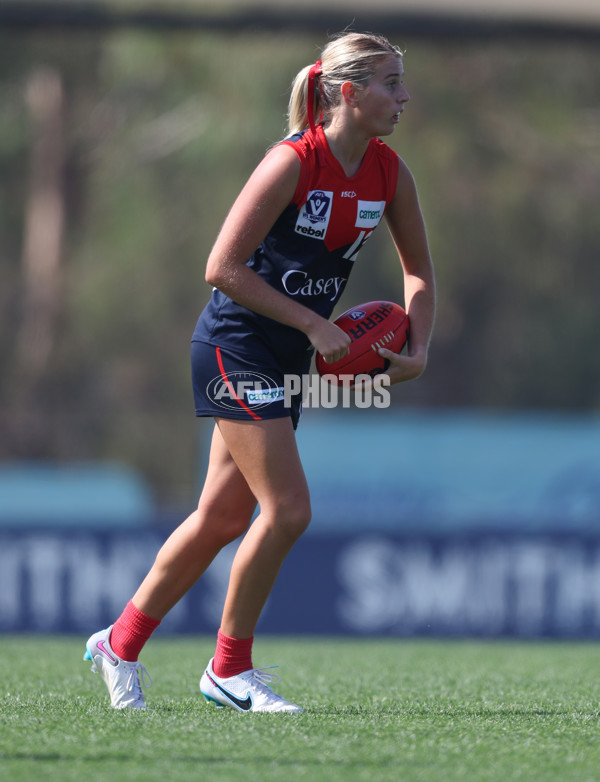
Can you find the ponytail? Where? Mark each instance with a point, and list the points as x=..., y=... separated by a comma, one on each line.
x=298, y=119
x=350, y=57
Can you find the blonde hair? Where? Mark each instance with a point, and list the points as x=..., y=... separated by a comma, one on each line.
x=350, y=57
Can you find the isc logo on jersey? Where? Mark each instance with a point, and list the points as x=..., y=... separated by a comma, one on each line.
x=314, y=215
x=369, y=213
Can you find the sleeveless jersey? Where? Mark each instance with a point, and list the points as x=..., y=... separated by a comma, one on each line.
x=310, y=251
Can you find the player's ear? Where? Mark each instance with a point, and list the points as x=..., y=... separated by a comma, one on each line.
x=350, y=94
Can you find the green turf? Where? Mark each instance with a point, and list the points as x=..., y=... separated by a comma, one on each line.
x=374, y=710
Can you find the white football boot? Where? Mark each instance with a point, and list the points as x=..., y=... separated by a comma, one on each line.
x=121, y=677
x=248, y=691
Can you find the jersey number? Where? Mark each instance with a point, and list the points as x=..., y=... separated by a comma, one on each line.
x=352, y=252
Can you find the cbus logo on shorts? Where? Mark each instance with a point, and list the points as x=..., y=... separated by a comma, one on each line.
x=369, y=213
x=314, y=215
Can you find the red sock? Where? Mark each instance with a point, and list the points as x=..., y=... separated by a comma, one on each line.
x=233, y=655
x=130, y=632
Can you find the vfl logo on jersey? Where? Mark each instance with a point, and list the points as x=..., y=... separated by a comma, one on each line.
x=369, y=213
x=314, y=215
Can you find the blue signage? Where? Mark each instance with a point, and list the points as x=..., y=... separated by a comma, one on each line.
x=355, y=584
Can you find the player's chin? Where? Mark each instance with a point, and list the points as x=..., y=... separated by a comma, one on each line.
x=388, y=130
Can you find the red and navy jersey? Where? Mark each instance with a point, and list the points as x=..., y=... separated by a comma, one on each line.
x=310, y=251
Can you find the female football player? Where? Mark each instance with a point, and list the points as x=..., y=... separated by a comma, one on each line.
x=278, y=267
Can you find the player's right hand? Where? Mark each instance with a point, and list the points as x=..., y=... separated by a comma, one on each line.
x=329, y=340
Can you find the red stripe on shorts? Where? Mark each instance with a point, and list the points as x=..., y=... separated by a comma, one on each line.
x=231, y=390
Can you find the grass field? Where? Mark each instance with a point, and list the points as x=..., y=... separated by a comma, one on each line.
x=374, y=710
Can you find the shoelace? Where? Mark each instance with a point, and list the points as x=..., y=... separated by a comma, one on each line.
x=264, y=678
x=138, y=675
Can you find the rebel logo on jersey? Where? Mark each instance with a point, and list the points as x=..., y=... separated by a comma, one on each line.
x=313, y=217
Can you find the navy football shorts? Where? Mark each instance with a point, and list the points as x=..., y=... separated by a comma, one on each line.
x=229, y=384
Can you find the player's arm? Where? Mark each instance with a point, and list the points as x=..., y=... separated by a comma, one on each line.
x=407, y=227
x=267, y=193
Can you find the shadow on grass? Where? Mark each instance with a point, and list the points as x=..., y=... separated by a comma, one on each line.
x=266, y=760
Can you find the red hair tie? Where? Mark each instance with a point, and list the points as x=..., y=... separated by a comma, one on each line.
x=314, y=71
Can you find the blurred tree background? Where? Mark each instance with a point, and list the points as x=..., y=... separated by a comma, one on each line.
x=121, y=151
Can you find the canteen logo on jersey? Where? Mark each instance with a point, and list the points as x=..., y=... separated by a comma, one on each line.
x=244, y=389
x=369, y=213
x=314, y=215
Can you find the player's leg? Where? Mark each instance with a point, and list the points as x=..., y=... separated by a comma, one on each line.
x=224, y=512
x=267, y=456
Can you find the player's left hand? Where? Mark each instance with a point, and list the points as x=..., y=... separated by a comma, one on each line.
x=403, y=367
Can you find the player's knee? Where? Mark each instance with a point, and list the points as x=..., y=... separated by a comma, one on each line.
x=292, y=515
x=226, y=523
x=230, y=528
